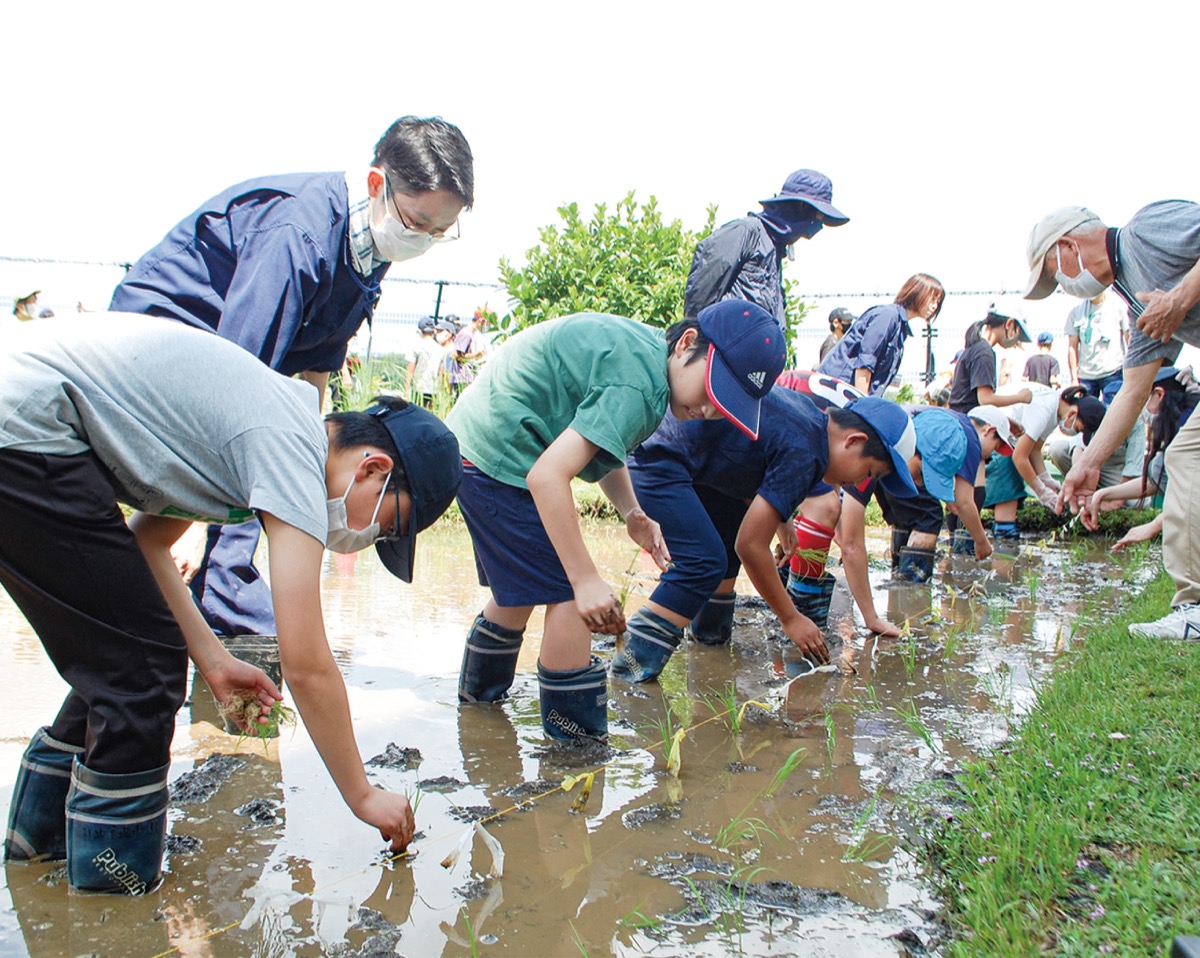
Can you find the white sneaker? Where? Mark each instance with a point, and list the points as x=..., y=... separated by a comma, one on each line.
x=1182, y=622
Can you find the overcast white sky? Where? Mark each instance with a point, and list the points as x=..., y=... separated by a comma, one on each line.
x=947, y=128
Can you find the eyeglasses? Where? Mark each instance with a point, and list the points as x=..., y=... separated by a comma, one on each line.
x=436, y=236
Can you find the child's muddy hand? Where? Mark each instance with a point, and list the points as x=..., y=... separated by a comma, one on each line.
x=648, y=534
x=234, y=677
x=391, y=814
x=599, y=607
x=808, y=639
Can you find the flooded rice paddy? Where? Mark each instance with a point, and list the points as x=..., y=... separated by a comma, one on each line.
x=787, y=829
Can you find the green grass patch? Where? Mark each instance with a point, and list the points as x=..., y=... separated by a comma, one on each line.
x=1082, y=835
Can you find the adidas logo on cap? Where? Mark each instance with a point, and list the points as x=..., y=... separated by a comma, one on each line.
x=757, y=378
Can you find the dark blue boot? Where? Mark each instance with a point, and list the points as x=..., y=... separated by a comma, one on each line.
x=713, y=624
x=812, y=597
x=575, y=702
x=116, y=830
x=37, y=818
x=899, y=541
x=916, y=565
x=961, y=543
x=649, y=641
x=489, y=661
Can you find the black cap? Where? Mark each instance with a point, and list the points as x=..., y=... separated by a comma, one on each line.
x=433, y=466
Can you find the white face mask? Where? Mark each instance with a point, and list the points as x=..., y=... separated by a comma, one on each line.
x=1083, y=286
x=340, y=537
x=393, y=240
x=1070, y=427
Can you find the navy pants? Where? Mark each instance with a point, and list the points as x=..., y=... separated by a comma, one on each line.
x=700, y=526
x=73, y=568
x=232, y=594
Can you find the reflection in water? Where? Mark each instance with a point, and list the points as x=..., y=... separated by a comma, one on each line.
x=273, y=864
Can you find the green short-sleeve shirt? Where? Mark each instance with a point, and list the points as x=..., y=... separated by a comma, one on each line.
x=603, y=376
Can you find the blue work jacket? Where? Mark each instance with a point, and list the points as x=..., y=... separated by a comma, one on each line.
x=266, y=264
x=875, y=341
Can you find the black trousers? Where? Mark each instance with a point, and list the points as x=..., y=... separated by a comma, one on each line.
x=74, y=569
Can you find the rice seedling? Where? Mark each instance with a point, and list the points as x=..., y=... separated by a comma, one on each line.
x=908, y=653
x=414, y=797
x=790, y=764
x=911, y=717
x=244, y=705
x=636, y=920
x=471, y=937
x=578, y=939
x=743, y=829
x=830, y=733
x=862, y=843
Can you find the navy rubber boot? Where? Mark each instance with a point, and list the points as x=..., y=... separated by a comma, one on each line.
x=37, y=818
x=575, y=702
x=899, y=541
x=713, y=624
x=916, y=565
x=647, y=646
x=1006, y=530
x=489, y=661
x=961, y=543
x=812, y=597
x=116, y=830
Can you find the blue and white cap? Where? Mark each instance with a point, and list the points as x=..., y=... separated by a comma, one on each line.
x=895, y=428
x=746, y=354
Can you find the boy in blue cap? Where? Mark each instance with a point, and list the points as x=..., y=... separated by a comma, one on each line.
x=950, y=447
x=721, y=499
x=569, y=398
x=182, y=425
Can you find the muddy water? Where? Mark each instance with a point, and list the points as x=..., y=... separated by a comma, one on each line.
x=732, y=855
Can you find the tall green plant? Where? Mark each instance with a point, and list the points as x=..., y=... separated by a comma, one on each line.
x=626, y=261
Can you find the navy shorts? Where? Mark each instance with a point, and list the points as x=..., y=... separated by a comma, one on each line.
x=513, y=554
x=922, y=513
x=699, y=524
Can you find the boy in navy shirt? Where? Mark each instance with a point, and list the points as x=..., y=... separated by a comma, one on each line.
x=721, y=499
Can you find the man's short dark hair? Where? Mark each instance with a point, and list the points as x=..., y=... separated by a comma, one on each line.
x=426, y=154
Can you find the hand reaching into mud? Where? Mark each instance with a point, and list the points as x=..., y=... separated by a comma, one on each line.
x=599, y=606
x=391, y=814
x=233, y=676
x=807, y=638
x=646, y=532
x=881, y=626
x=1143, y=533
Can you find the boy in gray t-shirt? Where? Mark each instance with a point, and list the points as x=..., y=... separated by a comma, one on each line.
x=181, y=425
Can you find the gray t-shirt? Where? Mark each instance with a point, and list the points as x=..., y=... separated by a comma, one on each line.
x=189, y=424
x=1156, y=249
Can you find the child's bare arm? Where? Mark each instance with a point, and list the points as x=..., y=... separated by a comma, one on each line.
x=549, y=483
x=316, y=683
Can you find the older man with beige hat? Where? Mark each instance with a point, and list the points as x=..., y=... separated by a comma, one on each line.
x=1153, y=264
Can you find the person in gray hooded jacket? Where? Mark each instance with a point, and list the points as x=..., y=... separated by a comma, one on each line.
x=744, y=258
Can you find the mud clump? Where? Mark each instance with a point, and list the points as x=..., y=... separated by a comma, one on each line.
x=261, y=812
x=205, y=780
x=383, y=937
x=183, y=844
x=707, y=900
x=442, y=784
x=524, y=790
x=474, y=813
x=660, y=812
x=396, y=757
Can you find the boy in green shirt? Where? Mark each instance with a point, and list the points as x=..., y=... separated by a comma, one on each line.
x=573, y=397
